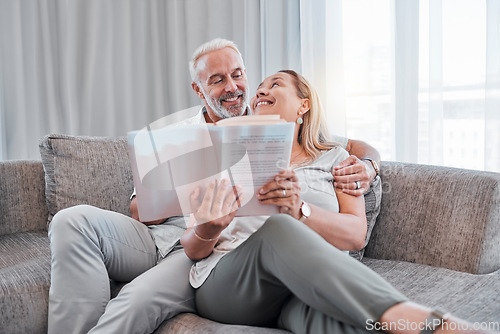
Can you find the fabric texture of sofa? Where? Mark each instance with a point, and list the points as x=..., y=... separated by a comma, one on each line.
x=437, y=237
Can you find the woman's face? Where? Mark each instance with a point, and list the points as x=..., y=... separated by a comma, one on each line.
x=277, y=95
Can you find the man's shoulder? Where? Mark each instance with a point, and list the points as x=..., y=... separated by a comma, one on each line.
x=190, y=119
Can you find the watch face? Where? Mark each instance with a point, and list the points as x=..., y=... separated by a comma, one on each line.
x=306, y=209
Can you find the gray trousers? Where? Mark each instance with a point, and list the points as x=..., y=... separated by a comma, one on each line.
x=89, y=246
x=287, y=275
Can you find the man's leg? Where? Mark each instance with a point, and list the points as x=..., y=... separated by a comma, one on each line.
x=89, y=246
x=160, y=293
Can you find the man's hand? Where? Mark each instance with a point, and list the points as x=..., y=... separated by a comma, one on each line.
x=351, y=170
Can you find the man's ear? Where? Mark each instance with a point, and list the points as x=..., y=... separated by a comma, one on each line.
x=197, y=90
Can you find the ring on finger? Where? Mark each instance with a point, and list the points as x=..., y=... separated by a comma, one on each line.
x=358, y=185
x=284, y=192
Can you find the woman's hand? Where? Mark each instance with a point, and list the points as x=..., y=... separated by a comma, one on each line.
x=218, y=206
x=211, y=215
x=345, y=229
x=283, y=191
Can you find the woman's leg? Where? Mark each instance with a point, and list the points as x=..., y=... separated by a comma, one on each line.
x=283, y=258
x=411, y=318
x=298, y=317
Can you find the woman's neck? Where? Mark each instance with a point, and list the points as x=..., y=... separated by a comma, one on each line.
x=298, y=155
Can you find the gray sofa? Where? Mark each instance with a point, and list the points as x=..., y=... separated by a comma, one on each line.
x=437, y=237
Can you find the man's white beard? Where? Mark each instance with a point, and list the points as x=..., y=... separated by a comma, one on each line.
x=220, y=110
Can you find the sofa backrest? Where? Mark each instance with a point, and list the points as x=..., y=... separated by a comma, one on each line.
x=86, y=170
x=440, y=216
x=22, y=199
x=446, y=217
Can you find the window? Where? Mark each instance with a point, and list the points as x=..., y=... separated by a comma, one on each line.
x=456, y=54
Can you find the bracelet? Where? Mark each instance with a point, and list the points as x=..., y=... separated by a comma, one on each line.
x=203, y=239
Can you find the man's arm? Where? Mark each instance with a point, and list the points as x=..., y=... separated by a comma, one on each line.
x=362, y=150
x=355, y=168
x=135, y=213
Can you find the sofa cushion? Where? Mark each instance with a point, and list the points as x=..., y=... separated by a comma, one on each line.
x=440, y=216
x=86, y=170
x=475, y=298
x=24, y=282
x=189, y=323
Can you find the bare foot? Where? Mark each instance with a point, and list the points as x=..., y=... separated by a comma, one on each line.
x=411, y=318
x=456, y=325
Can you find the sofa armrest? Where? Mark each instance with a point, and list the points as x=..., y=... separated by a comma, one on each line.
x=440, y=216
x=22, y=200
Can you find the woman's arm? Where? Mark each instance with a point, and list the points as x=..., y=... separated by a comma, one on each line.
x=345, y=229
x=198, y=246
x=211, y=216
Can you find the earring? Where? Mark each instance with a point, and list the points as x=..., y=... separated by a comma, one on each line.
x=300, y=120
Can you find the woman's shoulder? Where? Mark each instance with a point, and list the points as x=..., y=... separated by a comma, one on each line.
x=335, y=151
x=331, y=156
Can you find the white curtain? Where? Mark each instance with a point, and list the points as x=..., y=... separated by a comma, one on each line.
x=419, y=80
x=492, y=87
x=280, y=37
x=93, y=67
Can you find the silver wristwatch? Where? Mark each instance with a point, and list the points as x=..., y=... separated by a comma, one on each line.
x=374, y=165
x=305, y=211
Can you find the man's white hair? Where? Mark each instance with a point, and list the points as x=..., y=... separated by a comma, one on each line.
x=213, y=45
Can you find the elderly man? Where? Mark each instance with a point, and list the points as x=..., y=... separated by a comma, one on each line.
x=90, y=245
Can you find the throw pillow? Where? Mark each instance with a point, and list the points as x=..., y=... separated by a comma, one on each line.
x=373, y=198
x=86, y=170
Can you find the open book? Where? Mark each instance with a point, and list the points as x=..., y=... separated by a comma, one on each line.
x=168, y=163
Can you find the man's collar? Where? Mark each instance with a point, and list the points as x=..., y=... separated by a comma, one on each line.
x=247, y=112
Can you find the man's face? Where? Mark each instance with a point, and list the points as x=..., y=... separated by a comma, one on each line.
x=222, y=83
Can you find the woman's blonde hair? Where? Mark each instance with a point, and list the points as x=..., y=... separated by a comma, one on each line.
x=313, y=133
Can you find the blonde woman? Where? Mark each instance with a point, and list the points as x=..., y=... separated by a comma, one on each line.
x=291, y=270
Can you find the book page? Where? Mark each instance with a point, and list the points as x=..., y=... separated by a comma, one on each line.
x=166, y=160
x=263, y=151
x=251, y=120
x=168, y=164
